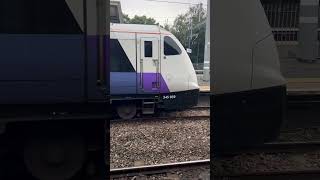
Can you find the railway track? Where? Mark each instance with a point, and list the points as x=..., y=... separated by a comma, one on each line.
x=299, y=134
x=201, y=107
x=166, y=171
x=179, y=115
x=276, y=175
x=161, y=118
x=270, y=169
x=277, y=147
x=288, y=147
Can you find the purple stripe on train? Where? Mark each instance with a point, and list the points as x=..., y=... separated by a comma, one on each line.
x=129, y=83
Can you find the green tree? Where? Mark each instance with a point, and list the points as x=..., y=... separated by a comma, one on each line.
x=126, y=19
x=195, y=18
x=139, y=20
x=166, y=26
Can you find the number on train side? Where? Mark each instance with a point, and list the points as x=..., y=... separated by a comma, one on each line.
x=169, y=97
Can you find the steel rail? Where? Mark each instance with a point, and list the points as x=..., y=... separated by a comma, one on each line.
x=161, y=118
x=274, y=147
x=311, y=174
x=156, y=168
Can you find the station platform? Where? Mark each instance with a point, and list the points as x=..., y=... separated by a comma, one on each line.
x=295, y=86
x=204, y=85
x=303, y=86
x=204, y=88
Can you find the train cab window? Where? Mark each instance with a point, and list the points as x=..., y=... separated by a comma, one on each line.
x=171, y=47
x=148, y=49
x=119, y=59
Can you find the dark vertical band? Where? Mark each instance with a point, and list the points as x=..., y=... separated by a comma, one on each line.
x=85, y=29
x=308, y=34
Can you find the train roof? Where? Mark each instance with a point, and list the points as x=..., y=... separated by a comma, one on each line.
x=138, y=28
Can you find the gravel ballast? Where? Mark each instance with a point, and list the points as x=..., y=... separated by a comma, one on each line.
x=152, y=142
x=274, y=162
x=257, y=163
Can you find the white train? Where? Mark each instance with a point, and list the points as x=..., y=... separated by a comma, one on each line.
x=149, y=69
x=249, y=95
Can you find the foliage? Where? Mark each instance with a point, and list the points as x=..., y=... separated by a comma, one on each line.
x=126, y=19
x=166, y=27
x=182, y=30
x=139, y=20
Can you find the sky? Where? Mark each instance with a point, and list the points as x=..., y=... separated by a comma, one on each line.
x=160, y=10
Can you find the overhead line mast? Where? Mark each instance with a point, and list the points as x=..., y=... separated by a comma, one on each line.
x=206, y=64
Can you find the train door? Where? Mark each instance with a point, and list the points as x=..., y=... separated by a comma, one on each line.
x=148, y=64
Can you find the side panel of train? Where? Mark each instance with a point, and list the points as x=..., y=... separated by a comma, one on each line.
x=49, y=57
x=53, y=54
x=249, y=91
x=151, y=65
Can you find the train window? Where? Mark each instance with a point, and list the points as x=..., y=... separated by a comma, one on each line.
x=171, y=47
x=119, y=59
x=38, y=17
x=148, y=49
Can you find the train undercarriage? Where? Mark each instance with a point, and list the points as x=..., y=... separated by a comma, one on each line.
x=56, y=145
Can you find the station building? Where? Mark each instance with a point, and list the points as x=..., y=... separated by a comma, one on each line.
x=295, y=25
x=116, y=15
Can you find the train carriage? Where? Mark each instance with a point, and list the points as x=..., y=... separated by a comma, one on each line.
x=149, y=69
x=54, y=88
x=248, y=90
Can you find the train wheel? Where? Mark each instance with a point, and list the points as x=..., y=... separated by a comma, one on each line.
x=55, y=156
x=127, y=111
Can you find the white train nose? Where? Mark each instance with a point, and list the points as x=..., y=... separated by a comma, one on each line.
x=193, y=81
